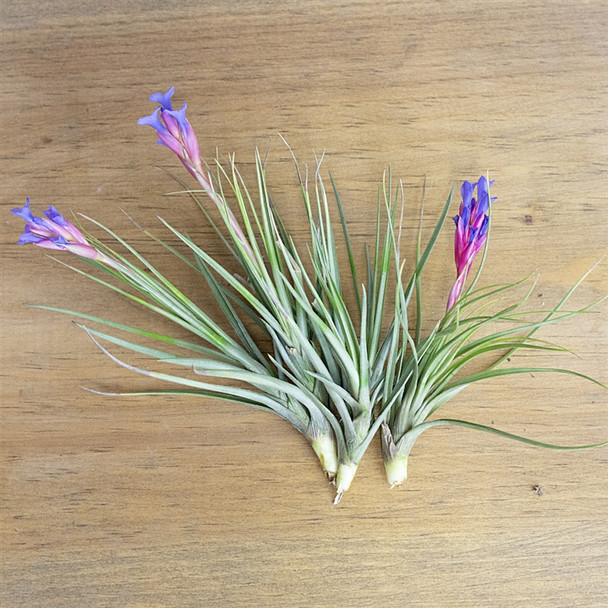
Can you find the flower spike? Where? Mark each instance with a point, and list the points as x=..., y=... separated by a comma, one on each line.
x=174, y=131
x=55, y=232
x=471, y=231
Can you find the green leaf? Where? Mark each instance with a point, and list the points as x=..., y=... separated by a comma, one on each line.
x=489, y=429
x=349, y=250
x=429, y=246
x=147, y=334
x=493, y=373
x=227, y=392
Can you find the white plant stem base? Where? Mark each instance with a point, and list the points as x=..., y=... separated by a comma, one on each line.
x=346, y=472
x=396, y=470
x=325, y=448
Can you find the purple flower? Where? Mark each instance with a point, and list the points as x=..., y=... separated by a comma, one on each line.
x=55, y=232
x=174, y=131
x=471, y=231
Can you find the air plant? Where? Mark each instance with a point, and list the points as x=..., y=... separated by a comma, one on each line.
x=338, y=373
x=432, y=370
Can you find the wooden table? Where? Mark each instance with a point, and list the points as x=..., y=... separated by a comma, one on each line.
x=150, y=502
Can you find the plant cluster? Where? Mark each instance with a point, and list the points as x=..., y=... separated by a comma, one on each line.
x=338, y=373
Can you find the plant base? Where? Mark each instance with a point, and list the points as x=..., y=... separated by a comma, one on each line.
x=325, y=449
x=396, y=470
x=346, y=472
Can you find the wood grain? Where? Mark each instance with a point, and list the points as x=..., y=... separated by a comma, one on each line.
x=182, y=503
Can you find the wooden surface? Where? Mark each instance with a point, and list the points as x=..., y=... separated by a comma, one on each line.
x=183, y=503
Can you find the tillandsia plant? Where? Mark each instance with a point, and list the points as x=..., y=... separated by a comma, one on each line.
x=337, y=373
x=433, y=369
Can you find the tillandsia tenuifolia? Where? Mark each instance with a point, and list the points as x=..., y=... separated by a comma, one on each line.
x=432, y=370
x=337, y=373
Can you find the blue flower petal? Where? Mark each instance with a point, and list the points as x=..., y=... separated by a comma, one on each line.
x=484, y=226
x=153, y=121
x=24, y=212
x=466, y=214
x=483, y=195
x=55, y=216
x=472, y=234
x=28, y=237
x=180, y=116
x=164, y=99
x=466, y=190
